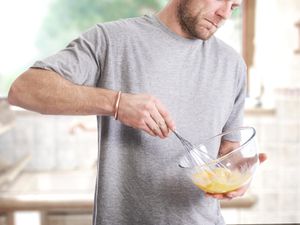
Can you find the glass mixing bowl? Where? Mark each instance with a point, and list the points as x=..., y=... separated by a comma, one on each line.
x=234, y=166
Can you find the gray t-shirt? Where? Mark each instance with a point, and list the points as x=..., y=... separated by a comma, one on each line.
x=201, y=83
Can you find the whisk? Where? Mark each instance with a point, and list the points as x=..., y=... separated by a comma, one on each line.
x=197, y=156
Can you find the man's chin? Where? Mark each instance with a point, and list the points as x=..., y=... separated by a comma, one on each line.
x=204, y=33
x=205, y=36
x=201, y=33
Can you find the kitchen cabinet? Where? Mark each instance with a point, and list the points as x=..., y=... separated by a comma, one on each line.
x=3, y=219
x=61, y=197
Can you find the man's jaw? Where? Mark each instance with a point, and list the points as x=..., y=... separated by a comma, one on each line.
x=213, y=23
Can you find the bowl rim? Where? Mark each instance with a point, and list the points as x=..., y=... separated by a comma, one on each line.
x=235, y=150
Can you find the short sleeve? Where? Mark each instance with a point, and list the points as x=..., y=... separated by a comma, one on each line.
x=237, y=114
x=80, y=62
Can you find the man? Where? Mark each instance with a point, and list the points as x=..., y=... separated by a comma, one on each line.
x=185, y=72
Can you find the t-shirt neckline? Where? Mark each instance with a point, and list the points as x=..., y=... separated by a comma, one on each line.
x=166, y=29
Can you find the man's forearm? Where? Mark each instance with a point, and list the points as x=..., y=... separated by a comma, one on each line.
x=47, y=92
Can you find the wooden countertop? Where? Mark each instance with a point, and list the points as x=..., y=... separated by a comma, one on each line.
x=50, y=190
x=66, y=190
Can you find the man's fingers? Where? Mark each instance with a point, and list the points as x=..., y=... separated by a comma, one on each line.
x=165, y=115
x=169, y=122
x=163, y=127
x=238, y=192
x=145, y=112
x=262, y=157
x=218, y=196
x=160, y=122
x=153, y=126
x=147, y=129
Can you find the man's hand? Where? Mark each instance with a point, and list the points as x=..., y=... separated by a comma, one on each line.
x=145, y=112
x=238, y=192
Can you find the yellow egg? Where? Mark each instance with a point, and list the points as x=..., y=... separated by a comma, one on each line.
x=220, y=180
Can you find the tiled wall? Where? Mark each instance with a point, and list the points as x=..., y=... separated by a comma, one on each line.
x=50, y=141
x=2, y=220
x=277, y=183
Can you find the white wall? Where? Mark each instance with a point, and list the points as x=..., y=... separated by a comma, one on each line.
x=276, y=38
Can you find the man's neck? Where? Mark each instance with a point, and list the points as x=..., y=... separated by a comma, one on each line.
x=168, y=16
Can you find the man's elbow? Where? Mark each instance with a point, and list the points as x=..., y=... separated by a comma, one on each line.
x=13, y=97
x=19, y=91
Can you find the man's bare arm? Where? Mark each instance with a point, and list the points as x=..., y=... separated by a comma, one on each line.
x=47, y=92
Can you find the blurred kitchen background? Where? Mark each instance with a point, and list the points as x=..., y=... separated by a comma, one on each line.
x=48, y=163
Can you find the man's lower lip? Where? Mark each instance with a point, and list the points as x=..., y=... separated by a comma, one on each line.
x=216, y=25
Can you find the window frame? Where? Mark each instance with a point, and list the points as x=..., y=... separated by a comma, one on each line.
x=248, y=34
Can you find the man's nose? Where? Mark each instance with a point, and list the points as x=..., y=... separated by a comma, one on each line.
x=225, y=11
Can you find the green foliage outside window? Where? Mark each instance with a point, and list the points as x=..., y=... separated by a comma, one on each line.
x=68, y=18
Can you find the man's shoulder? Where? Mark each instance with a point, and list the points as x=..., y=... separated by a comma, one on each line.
x=225, y=50
x=124, y=26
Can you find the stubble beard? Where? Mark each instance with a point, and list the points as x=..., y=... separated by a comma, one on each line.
x=189, y=23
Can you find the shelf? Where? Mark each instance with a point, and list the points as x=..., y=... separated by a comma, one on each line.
x=260, y=111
